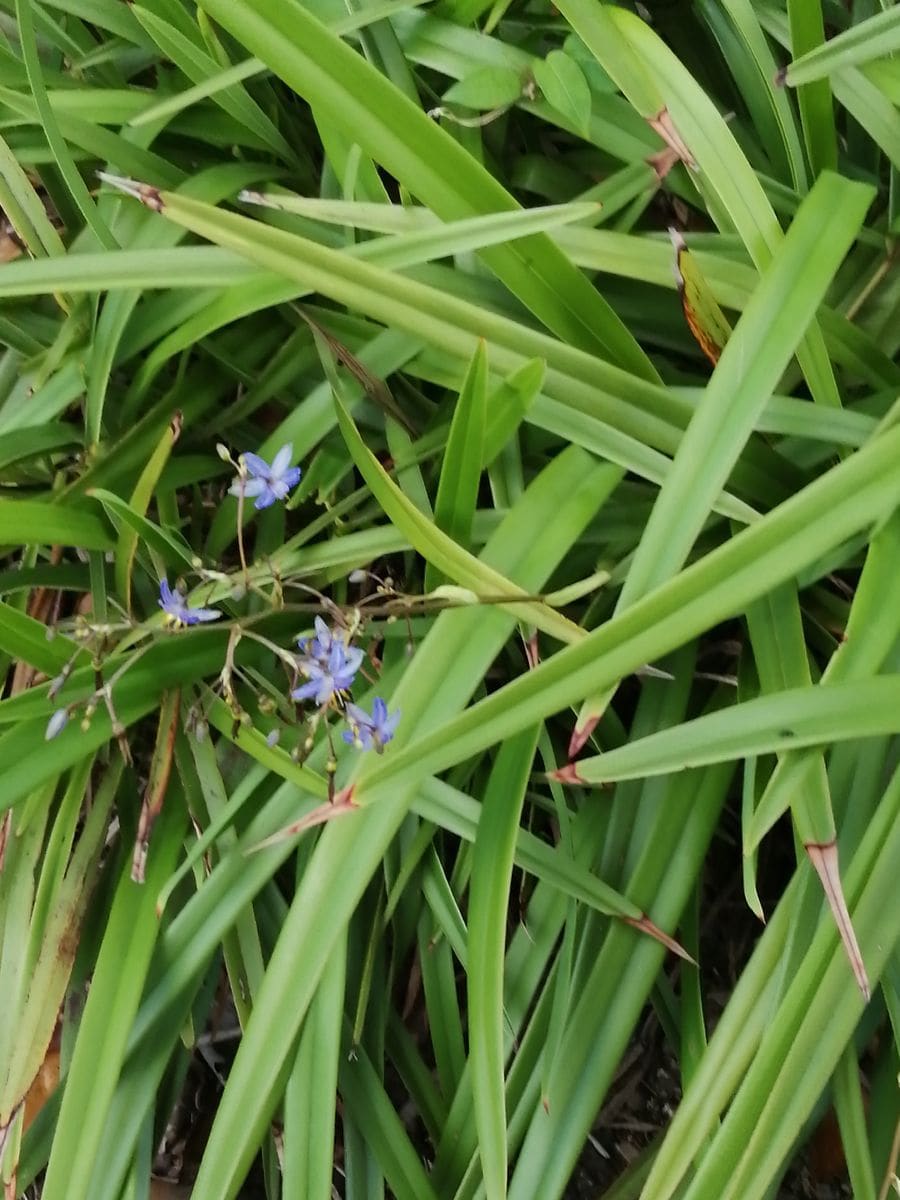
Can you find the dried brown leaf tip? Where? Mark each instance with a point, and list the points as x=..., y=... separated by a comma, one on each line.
x=581, y=734
x=662, y=163
x=824, y=857
x=148, y=195
x=676, y=149
x=645, y=925
x=532, y=652
x=340, y=806
x=567, y=774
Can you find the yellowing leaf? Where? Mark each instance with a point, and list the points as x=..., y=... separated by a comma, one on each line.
x=706, y=321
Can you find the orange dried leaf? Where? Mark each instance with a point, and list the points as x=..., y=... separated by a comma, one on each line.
x=662, y=124
x=705, y=319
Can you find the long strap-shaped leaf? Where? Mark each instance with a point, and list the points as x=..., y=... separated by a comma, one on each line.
x=437, y=548
x=364, y=105
x=872, y=631
x=642, y=415
x=655, y=82
x=812, y=716
x=721, y=584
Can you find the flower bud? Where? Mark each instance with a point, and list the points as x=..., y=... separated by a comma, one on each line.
x=56, y=724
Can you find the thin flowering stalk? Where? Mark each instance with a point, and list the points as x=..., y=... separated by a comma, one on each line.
x=240, y=535
x=58, y=683
x=225, y=675
x=283, y=655
x=118, y=729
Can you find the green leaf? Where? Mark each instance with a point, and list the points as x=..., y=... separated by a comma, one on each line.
x=486, y=88
x=38, y=523
x=564, y=86
x=358, y=100
x=457, y=493
x=139, y=503
x=24, y=638
x=747, y=372
x=807, y=25
x=508, y=405
x=488, y=903
x=813, y=716
x=718, y=585
x=19, y=445
x=876, y=37
x=166, y=544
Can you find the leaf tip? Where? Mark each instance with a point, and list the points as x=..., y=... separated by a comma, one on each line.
x=824, y=857
x=645, y=925
x=148, y=195
x=566, y=774
x=532, y=652
x=580, y=735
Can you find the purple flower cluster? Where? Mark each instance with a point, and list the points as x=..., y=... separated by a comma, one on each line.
x=330, y=675
x=330, y=666
x=327, y=661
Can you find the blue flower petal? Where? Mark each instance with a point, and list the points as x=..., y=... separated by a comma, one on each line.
x=247, y=487
x=282, y=460
x=306, y=691
x=258, y=467
x=266, y=498
x=194, y=616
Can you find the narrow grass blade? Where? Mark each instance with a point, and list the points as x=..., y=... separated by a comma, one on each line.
x=488, y=902
x=457, y=493
x=807, y=28
x=876, y=37
x=429, y=162
x=39, y=523
x=116, y=988
x=773, y=723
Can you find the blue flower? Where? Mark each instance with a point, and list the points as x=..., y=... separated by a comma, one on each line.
x=174, y=604
x=325, y=678
x=365, y=731
x=318, y=647
x=267, y=483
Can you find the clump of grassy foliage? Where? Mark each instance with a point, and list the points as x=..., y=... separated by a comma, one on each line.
x=360, y=324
